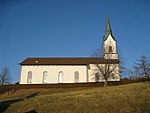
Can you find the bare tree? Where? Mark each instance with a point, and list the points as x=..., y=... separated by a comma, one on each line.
x=131, y=74
x=107, y=70
x=5, y=76
x=142, y=67
x=122, y=64
x=98, y=53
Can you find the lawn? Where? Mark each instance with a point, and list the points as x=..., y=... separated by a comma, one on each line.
x=131, y=98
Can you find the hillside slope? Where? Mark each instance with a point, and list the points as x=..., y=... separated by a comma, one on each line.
x=131, y=98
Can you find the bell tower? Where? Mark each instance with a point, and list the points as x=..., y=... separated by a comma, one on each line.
x=109, y=43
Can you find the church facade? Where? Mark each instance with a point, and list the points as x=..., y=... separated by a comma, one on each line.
x=73, y=70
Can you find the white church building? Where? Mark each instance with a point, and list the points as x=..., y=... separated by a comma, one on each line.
x=71, y=70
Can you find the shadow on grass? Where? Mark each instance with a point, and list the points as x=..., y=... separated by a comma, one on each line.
x=7, y=90
x=4, y=105
x=32, y=111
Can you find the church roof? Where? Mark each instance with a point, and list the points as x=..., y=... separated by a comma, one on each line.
x=108, y=29
x=67, y=61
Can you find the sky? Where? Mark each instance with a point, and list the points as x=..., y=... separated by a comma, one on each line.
x=70, y=28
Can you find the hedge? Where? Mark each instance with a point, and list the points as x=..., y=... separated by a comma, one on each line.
x=14, y=87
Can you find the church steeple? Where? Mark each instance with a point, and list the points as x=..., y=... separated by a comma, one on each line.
x=109, y=43
x=108, y=30
x=108, y=27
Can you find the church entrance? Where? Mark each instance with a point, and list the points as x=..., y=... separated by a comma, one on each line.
x=60, y=77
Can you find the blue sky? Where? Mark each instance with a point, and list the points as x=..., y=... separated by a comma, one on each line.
x=70, y=28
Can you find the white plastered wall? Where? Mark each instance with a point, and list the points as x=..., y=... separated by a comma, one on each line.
x=53, y=70
x=93, y=70
x=110, y=42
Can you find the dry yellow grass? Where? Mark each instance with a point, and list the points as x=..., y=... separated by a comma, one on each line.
x=131, y=98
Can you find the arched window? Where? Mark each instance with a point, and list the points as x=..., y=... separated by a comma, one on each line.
x=60, y=77
x=110, y=49
x=97, y=77
x=29, y=77
x=45, y=77
x=76, y=76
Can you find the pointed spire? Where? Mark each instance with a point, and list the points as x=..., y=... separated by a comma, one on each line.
x=108, y=28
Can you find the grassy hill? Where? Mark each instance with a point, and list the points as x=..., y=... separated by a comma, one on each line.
x=131, y=98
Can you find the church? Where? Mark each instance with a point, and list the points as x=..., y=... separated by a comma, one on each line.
x=73, y=70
